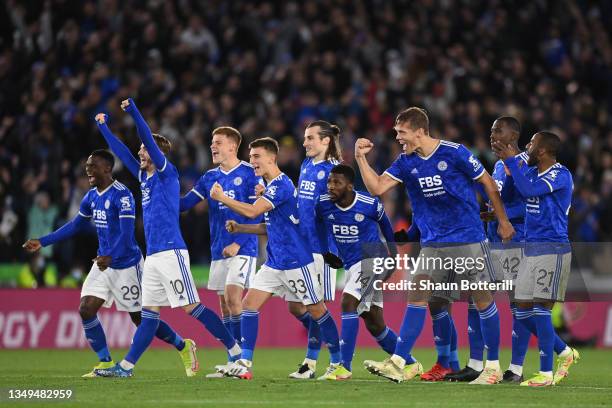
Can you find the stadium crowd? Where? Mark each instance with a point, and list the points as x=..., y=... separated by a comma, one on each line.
x=268, y=68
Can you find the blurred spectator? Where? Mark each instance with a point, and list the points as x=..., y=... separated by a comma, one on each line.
x=41, y=221
x=269, y=67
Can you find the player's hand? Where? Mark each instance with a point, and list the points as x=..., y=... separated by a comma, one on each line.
x=488, y=216
x=101, y=118
x=103, y=262
x=332, y=260
x=362, y=147
x=503, y=151
x=260, y=189
x=231, y=250
x=216, y=192
x=32, y=245
x=231, y=226
x=125, y=104
x=505, y=230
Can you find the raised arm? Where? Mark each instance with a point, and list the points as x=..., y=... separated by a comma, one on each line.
x=524, y=186
x=144, y=133
x=120, y=149
x=376, y=184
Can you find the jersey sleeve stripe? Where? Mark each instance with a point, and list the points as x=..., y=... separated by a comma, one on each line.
x=450, y=144
x=268, y=200
x=197, y=193
x=127, y=216
x=549, y=185
x=393, y=177
x=480, y=175
x=83, y=215
x=165, y=164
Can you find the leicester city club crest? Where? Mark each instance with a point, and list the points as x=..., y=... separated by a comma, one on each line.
x=359, y=217
x=237, y=181
x=442, y=165
x=320, y=175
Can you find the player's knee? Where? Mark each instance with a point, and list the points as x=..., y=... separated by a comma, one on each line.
x=296, y=309
x=437, y=306
x=349, y=304
x=87, y=311
x=135, y=316
x=482, y=299
x=317, y=310
x=233, y=306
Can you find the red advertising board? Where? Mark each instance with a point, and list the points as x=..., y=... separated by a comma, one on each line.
x=49, y=318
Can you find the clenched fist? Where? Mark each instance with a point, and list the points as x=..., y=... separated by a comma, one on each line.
x=101, y=118
x=216, y=192
x=362, y=147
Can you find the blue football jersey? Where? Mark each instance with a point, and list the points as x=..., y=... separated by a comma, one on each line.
x=312, y=184
x=238, y=183
x=353, y=227
x=546, y=216
x=441, y=190
x=512, y=199
x=160, y=208
x=287, y=246
x=106, y=208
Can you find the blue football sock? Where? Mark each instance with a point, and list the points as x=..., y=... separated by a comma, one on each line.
x=442, y=333
x=546, y=337
x=489, y=324
x=520, y=336
x=167, y=334
x=305, y=320
x=475, y=334
x=227, y=322
x=530, y=324
x=94, y=333
x=235, y=327
x=314, y=341
x=387, y=340
x=144, y=335
x=214, y=325
x=411, y=328
x=454, y=356
x=350, y=329
x=329, y=334
x=249, y=325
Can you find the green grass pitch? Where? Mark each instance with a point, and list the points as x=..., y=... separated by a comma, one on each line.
x=160, y=381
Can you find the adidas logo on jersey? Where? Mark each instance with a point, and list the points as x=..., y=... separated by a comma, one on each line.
x=514, y=334
x=470, y=330
x=181, y=297
x=331, y=217
x=414, y=171
x=545, y=290
x=136, y=303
